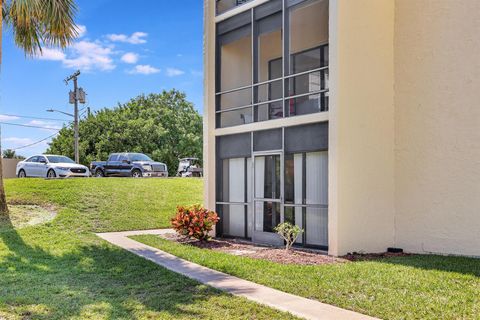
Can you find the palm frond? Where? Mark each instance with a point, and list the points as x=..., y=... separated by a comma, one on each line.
x=22, y=18
x=5, y=10
x=37, y=23
x=57, y=22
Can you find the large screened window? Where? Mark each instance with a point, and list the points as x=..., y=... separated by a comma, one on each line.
x=267, y=177
x=272, y=62
x=235, y=181
x=234, y=76
x=306, y=88
x=234, y=192
x=268, y=61
x=306, y=195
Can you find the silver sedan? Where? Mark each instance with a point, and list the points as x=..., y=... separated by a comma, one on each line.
x=50, y=166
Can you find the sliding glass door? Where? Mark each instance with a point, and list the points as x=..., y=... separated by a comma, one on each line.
x=267, y=196
x=301, y=200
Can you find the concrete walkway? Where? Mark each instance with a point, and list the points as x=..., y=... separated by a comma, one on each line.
x=301, y=307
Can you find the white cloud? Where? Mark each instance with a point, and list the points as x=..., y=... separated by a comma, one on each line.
x=134, y=38
x=81, y=30
x=130, y=57
x=173, y=72
x=52, y=55
x=16, y=141
x=88, y=55
x=49, y=126
x=4, y=117
x=84, y=55
x=144, y=69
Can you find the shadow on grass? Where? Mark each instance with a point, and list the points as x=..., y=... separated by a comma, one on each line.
x=90, y=279
x=462, y=265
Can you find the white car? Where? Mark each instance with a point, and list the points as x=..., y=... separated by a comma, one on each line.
x=50, y=166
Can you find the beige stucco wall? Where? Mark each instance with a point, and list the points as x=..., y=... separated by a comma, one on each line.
x=437, y=126
x=361, y=150
x=8, y=167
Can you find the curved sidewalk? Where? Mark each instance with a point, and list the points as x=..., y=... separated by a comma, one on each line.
x=301, y=307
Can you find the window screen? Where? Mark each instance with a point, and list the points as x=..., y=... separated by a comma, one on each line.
x=268, y=8
x=234, y=146
x=311, y=137
x=234, y=22
x=267, y=140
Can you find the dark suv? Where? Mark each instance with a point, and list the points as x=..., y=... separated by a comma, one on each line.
x=134, y=165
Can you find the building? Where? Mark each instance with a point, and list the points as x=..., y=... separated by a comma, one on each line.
x=356, y=120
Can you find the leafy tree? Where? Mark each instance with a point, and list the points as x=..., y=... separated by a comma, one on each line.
x=36, y=23
x=11, y=154
x=164, y=126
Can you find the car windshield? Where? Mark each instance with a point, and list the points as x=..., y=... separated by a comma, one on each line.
x=138, y=157
x=59, y=159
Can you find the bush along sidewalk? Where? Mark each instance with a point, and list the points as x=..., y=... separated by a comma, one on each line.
x=194, y=222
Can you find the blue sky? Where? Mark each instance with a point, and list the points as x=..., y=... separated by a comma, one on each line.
x=125, y=49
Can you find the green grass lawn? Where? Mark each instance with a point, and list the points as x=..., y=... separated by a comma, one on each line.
x=61, y=270
x=412, y=287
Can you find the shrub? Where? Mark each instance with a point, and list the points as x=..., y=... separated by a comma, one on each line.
x=288, y=232
x=194, y=222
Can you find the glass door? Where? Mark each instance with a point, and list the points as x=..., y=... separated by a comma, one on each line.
x=306, y=196
x=268, y=197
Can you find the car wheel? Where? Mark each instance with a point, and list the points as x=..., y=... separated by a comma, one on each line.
x=51, y=174
x=136, y=174
x=99, y=173
x=22, y=174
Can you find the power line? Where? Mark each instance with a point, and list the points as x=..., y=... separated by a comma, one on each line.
x=32, y=117
x=27, y=126
x=36, y=142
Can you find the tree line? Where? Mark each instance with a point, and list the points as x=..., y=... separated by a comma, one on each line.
x=11, y=154
x=164, y=126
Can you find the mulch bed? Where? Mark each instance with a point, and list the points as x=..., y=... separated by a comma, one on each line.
x=244, y=248
x=355, y=256
x=247, y=249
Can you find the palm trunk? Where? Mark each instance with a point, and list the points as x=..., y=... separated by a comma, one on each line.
x=3, y=199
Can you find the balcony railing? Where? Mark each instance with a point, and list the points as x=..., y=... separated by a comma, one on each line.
x=225, y=5
x=308, y=92
x=304, y=91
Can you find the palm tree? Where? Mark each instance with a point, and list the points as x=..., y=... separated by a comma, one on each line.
x=34, y=24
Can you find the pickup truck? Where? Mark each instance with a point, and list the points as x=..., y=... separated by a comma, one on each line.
x=136, y=165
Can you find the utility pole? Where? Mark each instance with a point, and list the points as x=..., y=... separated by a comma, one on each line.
x=76, y=96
